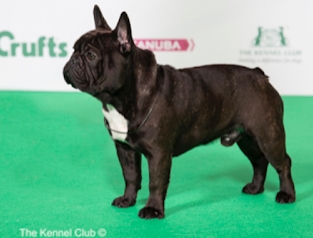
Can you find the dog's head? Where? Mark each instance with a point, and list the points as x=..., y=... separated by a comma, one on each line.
x=101, y=57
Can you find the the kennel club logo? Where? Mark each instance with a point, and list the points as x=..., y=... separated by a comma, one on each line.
x=165, y=44
x=270, y=38
x=270, y=46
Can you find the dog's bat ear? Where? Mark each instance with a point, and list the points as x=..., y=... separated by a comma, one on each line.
x=99, y=19
x=123, y=34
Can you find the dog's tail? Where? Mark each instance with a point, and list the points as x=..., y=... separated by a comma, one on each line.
x=260, y=71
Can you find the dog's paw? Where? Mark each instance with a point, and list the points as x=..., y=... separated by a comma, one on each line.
x=123, y=202
x=251, y=188
x=283, y=197
x=151, y=212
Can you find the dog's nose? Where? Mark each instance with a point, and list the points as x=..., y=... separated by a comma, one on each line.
x=66, y=77
x=74, y=60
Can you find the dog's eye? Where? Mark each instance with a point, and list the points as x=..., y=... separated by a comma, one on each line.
x=91, y=56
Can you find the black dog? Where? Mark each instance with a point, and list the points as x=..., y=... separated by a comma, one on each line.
x=161, y=112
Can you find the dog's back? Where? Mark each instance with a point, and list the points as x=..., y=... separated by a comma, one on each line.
x=213, y=100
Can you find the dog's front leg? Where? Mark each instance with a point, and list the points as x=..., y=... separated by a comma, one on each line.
x=130, y=161
x=159, y=176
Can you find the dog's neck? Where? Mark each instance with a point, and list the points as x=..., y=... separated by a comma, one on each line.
x=145, y=77
x=138, y=93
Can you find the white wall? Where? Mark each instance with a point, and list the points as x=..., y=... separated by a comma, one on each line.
x=208, y=32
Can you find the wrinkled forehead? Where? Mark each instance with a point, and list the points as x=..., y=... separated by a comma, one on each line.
x=95, y=37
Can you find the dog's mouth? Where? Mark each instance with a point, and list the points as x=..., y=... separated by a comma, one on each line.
x=67, y=79
x=66, y=75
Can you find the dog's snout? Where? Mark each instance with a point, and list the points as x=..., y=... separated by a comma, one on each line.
x=66, y=77
x=66, y=74
x=74, y=60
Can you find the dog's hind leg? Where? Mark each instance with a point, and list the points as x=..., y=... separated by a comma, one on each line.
x=259, y=163
x=275, y=153
x=287, y=190
x=272, y=144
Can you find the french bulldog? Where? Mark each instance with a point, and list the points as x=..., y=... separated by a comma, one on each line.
x=161, y=112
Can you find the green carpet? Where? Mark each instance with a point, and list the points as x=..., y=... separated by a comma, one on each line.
x=59, y=172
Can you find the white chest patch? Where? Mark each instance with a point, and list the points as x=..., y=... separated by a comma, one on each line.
x=117, y=123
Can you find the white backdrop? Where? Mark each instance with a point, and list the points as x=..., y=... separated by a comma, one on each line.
x=36, y=37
